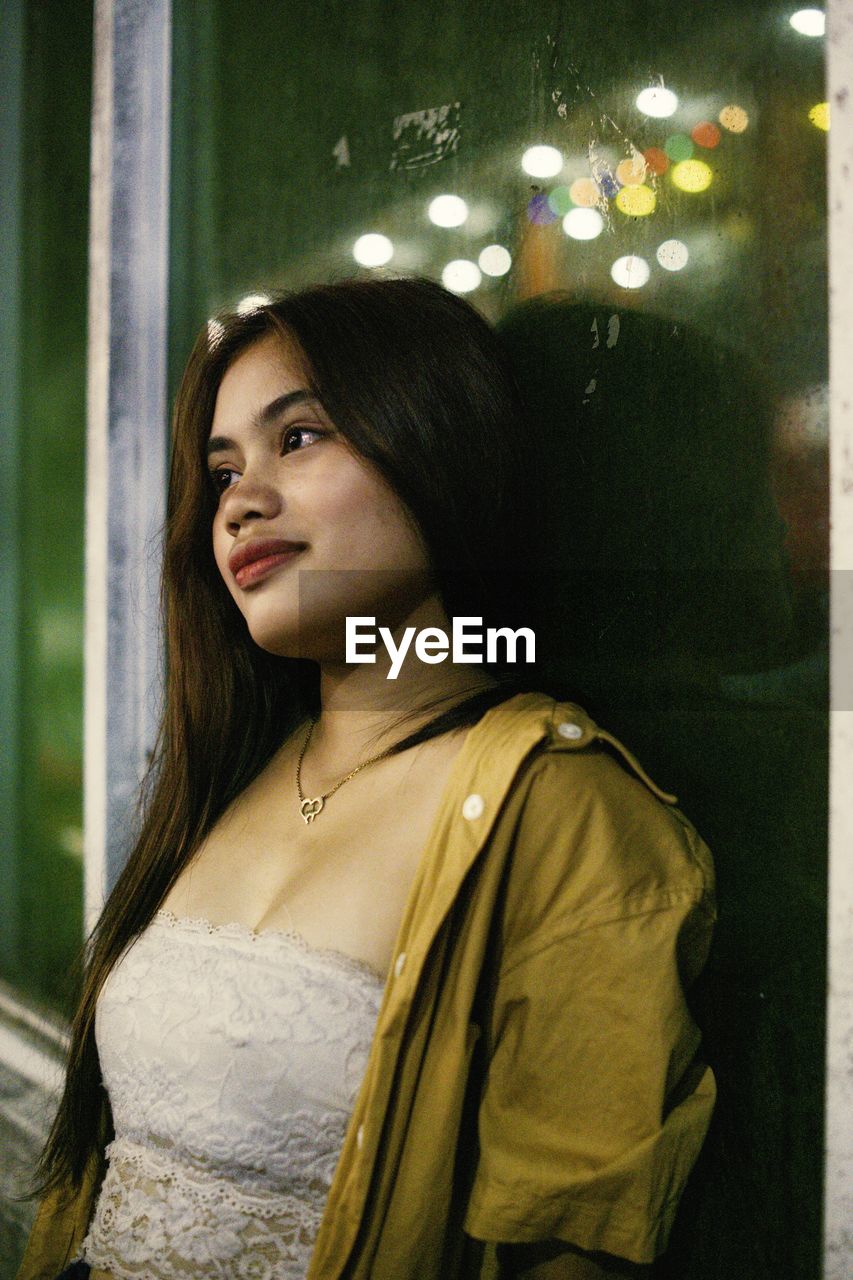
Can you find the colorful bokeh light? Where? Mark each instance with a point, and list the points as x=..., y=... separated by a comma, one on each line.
x=631, y=172
x=539, y=212
x=608, y=185
x=560, y=200
x=656, y=159
x=584, y=193
x=733, y=118
x=692, y=176
x=636, y=202
x=678, y=147
x=705, y=134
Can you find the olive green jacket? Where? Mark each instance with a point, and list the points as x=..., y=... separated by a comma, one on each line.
x=534, y=1070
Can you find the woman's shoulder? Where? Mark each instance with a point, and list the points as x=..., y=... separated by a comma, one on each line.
x=597, y=838
x=573, y=749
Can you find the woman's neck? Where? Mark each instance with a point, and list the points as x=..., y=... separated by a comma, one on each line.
x=361, y=706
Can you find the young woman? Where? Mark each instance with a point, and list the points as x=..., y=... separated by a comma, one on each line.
x=393, y=982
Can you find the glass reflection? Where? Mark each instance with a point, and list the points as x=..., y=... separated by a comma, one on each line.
x=670, y=194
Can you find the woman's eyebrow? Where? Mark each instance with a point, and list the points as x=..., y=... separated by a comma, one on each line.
x=263, y=418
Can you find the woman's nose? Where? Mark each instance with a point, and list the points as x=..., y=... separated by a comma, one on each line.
x=254, y=498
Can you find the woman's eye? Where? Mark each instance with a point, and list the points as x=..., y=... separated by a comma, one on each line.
x=219, y=477
x=291, y=432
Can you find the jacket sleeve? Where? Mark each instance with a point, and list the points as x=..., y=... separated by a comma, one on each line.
x=58, y=1230
x=595, y=1103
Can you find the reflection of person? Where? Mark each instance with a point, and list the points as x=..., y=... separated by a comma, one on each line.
x=688, y=637
x=367, y=1002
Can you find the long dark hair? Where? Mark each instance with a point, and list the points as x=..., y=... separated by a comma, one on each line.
x=416, y=380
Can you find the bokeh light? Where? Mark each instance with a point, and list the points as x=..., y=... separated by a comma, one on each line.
x=705, y=134
x=583, y=224
x=251, y=302
x=657, y=102
x=636, y=202
x=630, y=272
x=539, y=210
x=692, y=176
x=560, y=200
x=542, y=162
x=672, y=255
x=448, y=211
x=819, y=115
x=656, y=159
x=372, y=250
x=809, y=22
x=607, y=185
x=632, y=171
x=495, y=260
x=584, y=193
x=733, y=118
x=678, y=147
x=461, y=276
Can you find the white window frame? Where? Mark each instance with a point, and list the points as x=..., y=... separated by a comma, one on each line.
x=127, y=428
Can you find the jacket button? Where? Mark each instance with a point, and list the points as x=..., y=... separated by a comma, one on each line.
x=473, y=807
x=569, y=730
x=399, y=963
x=359, y=1136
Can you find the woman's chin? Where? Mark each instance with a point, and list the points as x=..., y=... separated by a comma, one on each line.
x=283, y=642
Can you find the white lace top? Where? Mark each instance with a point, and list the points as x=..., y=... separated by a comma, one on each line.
x=232, y=1060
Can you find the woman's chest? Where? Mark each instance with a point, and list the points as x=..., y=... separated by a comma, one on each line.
x=341, y=881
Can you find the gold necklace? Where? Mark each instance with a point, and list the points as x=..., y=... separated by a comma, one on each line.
x=309, y=807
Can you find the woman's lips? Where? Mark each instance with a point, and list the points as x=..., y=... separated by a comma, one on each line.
x=257, y=569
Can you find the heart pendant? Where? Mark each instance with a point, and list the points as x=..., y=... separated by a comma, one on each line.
x=310, y=808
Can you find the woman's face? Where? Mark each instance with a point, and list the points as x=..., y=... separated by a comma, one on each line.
x=285, y=474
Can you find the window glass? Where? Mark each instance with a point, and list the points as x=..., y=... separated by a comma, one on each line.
x=46, y=181
x=637, y=195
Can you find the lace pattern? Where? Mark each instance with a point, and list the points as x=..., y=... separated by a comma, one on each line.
x=232, y=1059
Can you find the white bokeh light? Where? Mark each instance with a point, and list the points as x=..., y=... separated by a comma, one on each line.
x=251, y=302
x=672, y=255
x=809, y=22
x=657, y=102
x=542, y=162
x=372, y=250
x=461, y=276
x=583, y=224
x=448, y=211
x=495, y=260
x=630, y=272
